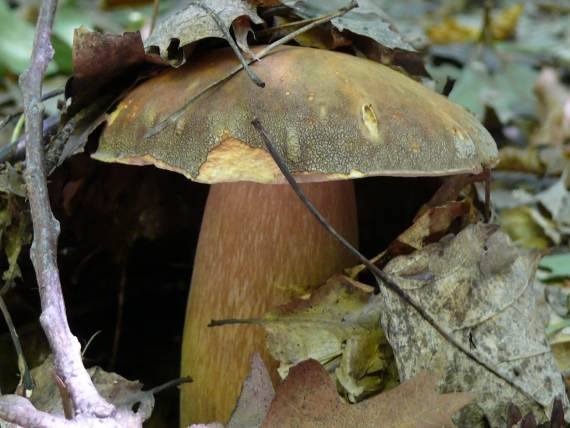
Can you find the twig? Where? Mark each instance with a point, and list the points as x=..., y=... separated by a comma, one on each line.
x=26, y=416
x=154, y=15
x=381, y=276
x=235, y=48
x=22, y=365
x=120, y=311
x=20, y=110
x=180, y=112
x=17, y=149
x=170, y=384
x=65, y=346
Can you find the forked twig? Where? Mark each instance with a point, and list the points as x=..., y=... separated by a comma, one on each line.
x=65, y=346
x=180, y=112
x=381, y=276
x=230, y=40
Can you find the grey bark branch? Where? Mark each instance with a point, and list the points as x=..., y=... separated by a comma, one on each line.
x=65, y=346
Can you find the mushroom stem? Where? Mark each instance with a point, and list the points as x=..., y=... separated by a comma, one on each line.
x=253, y=236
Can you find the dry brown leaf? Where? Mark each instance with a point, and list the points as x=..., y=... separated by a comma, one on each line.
x=101, y=61
x=556, y=199
x=479, y=288
x=336, y=326
x=553, y=111
x=255, y=398
x=117, y=390
x=503, y=27
x=172, y=39
x=318, y=37
x=367, y=20
x=430, y=227
x=308, y=398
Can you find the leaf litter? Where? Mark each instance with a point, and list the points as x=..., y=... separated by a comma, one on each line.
x=173, y=38
x=480, y=288
x=308, y=398
x=337, y=327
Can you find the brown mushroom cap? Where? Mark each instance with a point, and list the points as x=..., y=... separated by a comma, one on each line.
x=332, y=116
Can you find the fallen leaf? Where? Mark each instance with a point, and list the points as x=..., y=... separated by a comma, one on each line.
x=172, y=39
x=319, y=37
x=12, y=181
x=367, y=20
x=556, y=199
x=117, y=390
x=428, y=228
x=99, y=61
x=558, y=265
x=255, y=398
x=503, y=26
x=479, y=288
x=308, y=398
x=507, y=91
x=553, y=110
x=336, y=326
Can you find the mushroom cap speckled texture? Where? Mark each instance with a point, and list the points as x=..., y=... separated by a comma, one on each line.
x=331, y=116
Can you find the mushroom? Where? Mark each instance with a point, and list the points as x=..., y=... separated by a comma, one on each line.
x=334, y=117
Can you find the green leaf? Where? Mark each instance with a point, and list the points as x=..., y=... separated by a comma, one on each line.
x=558, y=265
x=17, y=37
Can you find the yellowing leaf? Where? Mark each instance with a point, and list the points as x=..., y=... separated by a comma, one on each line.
x=338, y=326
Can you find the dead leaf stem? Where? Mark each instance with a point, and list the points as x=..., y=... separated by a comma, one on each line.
x=381, y=276
x=180, y=112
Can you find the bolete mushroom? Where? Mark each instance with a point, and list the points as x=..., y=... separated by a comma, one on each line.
x=333, y=117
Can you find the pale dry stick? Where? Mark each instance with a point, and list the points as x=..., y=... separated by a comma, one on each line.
x=381, y=276
x=65, y=346
x=155, y=7
x=180, y=112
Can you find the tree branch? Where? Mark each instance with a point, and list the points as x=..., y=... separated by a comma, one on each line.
x=65, y=346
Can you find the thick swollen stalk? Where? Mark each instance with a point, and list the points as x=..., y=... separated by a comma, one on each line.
x=253, y=236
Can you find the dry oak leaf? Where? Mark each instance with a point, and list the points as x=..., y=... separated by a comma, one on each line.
x=427, y=228
x=172, y=39
x=367, y=20
x=308, y=398
x=255, y=398
x=122, y=393
x=479, y=288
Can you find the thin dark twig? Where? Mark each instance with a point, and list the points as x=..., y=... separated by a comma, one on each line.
x=120, y=311
x=380, y=275
x=182, y=110
x=22, y=365
x=16, y=150
x=7, y=120
x=20, y=110
x=230, y=40
x=170, y=384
